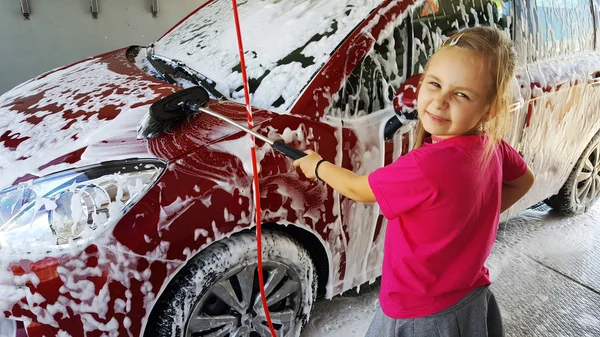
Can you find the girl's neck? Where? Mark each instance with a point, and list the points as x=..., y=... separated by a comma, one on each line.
x=435, y=139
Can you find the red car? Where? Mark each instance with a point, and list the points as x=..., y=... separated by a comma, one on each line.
x=103, y=233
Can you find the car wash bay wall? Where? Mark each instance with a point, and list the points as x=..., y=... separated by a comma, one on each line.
x=60, y=32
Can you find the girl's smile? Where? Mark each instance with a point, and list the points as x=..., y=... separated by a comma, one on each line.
x=437, y=119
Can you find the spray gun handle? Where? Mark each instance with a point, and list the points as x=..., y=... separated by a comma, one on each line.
x=288, y=150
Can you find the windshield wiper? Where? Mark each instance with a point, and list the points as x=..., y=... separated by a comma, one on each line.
x=178, y=73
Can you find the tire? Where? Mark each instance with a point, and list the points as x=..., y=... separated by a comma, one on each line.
x=582, y=188
x=207, y=297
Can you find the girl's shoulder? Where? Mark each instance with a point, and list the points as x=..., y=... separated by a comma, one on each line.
x=451, y=146
x=450, y=154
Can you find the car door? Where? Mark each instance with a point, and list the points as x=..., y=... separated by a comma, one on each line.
x=562, y=113
x=360, y=110
x=363, y=106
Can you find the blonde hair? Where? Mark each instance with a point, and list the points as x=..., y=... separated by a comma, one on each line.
x=498, y=50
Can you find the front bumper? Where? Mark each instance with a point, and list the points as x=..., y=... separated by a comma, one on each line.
x=102, y=291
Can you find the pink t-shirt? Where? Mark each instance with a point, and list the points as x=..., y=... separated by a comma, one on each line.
x=443, y=209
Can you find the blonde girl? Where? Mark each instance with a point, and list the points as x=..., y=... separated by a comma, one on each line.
x=444, y=198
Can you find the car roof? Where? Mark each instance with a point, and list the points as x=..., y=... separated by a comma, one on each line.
x=286, y=44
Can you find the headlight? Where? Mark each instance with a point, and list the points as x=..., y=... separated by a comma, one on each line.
x=72, y=207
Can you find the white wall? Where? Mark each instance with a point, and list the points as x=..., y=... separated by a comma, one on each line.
x=61, y=32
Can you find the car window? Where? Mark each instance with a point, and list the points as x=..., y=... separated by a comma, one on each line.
x=565, y=26
x=373, y=82
x=435, y=20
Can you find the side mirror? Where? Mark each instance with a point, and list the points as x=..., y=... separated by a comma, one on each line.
x=405, y=106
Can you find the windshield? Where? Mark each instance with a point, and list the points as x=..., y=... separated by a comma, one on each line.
x=286, y=43
x=177, y=72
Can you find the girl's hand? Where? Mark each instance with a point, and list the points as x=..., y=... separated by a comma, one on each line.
x=308, y=163
x=346, y=182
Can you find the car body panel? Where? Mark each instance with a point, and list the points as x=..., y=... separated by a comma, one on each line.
x=561, y=101
x=560, y=107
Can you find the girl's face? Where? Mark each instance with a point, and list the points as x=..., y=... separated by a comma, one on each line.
x=454, y=95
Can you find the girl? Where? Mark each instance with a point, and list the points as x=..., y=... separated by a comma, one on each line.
x=444, y=198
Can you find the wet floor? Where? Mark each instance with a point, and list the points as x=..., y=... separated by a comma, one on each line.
x=546, y=273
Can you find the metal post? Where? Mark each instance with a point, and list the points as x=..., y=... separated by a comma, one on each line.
x=95, y=8
x=154, y=8
x=25, y=9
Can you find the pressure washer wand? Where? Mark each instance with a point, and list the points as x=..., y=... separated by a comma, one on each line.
x=277, y=145
x=172, y=110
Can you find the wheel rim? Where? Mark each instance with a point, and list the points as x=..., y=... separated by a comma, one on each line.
x=232, y=307
x=588, y=179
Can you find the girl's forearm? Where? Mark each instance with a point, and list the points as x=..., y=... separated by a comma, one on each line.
x=510, y=195
x=514, y=190
x=346, y=182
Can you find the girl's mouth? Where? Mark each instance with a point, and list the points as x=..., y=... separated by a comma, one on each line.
x=436, y=118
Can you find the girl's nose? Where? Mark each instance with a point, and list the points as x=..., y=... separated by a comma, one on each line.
x=440, y=101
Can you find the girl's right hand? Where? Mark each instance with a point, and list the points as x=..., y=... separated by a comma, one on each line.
x=308, y=163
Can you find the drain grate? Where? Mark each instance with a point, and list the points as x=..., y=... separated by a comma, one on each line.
x=540, y=206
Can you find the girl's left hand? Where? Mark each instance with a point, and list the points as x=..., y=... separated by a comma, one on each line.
x=308, y=163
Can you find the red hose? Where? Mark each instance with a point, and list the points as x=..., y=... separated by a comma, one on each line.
x=254, y=169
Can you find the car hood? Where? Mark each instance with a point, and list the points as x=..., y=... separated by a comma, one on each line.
x=88, y=113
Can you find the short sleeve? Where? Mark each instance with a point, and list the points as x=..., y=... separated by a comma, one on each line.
x=513, y=165
x=400, y=186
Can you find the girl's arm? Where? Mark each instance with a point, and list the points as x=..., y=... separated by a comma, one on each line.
x=514, y=190
x=346, y=182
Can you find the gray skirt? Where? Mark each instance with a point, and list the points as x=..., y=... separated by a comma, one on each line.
x=475, y=315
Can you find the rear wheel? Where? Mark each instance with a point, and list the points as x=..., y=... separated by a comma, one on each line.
x=582, y=189
x=217, y=292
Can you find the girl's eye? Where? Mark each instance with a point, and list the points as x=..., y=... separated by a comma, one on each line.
x=460, y=94
x=435, y=84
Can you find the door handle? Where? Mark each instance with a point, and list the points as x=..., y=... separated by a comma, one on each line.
x=516, y=106
x=594, y=79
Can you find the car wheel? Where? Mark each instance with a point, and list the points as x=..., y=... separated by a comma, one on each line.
x=217, y=292
x=582, y=189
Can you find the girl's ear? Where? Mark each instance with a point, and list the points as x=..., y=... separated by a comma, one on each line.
x=488, y=113
x=485, y=118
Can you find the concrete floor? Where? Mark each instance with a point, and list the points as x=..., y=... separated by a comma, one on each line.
x=545, y=269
